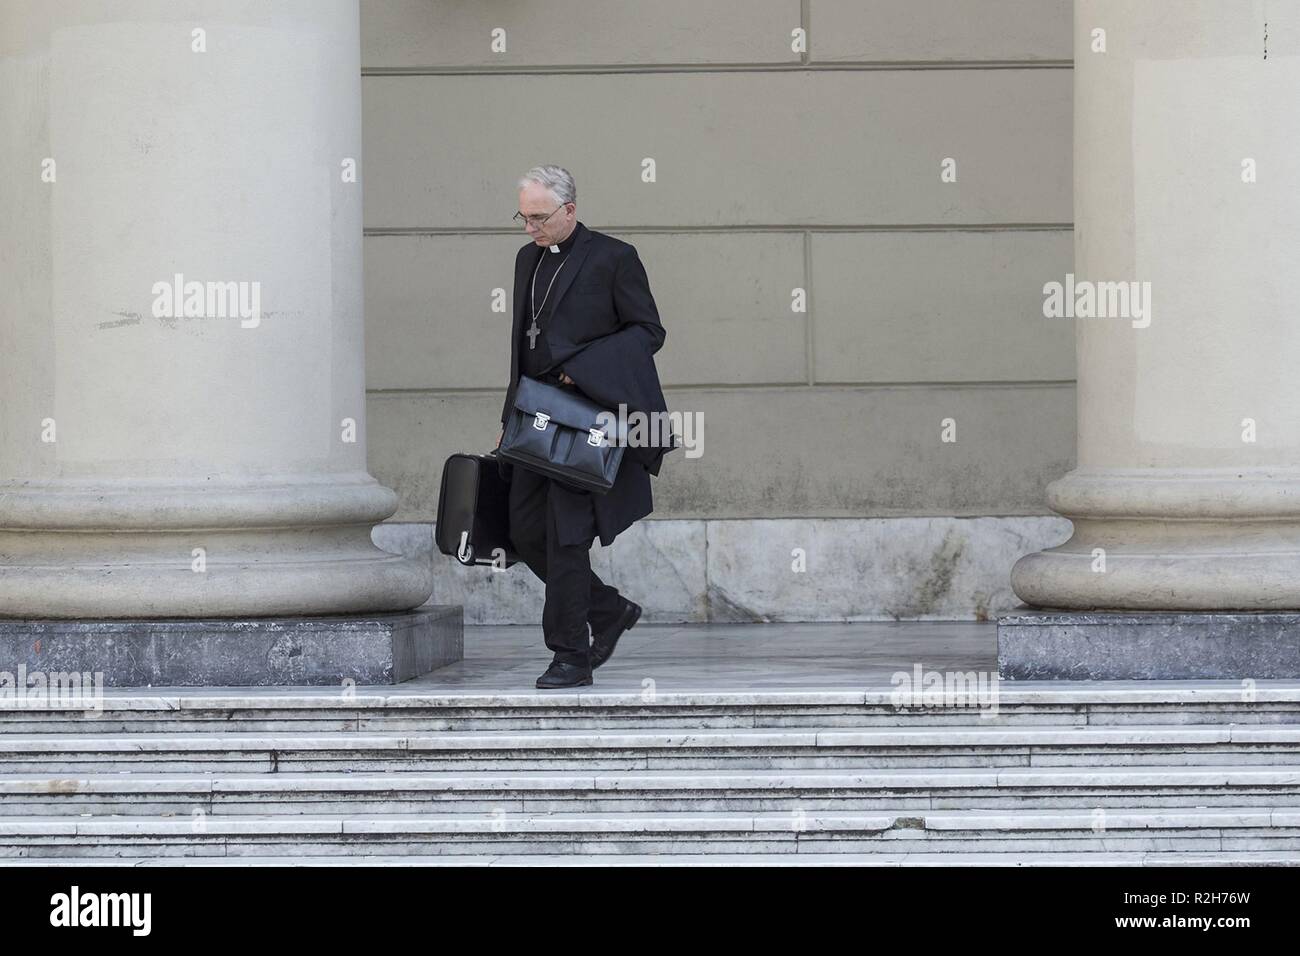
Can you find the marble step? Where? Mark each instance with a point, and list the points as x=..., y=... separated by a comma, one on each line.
x=789, y=748
x=646, y=791
x=286, y=710
x=1251, y=858
x=1202, y=832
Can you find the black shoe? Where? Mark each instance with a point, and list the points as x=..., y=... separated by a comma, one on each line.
x=602, y=645
x=564, y=675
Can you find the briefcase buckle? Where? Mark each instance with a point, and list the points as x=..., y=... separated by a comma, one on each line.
x=539, y=421
x=595, y=437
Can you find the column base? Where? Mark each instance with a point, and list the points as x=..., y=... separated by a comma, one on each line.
x=1148, y=645
x=256, y=652
x=1170, y=540
x=135, y=549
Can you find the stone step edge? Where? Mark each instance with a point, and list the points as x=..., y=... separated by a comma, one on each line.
x=1009, y=693
x=1024, y=858
x=674, y=738
x=488, y=781
x=1097, y=822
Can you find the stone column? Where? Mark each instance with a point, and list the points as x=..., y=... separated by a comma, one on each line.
x=1187, y=161
x=182, y=404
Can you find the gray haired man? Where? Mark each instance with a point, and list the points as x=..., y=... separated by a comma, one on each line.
x=584, y=319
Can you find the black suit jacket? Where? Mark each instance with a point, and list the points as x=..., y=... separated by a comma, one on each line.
x=603, y=333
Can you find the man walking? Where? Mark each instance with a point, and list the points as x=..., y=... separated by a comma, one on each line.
x=584, y=319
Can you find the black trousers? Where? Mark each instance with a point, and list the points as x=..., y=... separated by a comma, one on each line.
x=577, y=601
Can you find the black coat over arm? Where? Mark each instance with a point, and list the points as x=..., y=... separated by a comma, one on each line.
x=603, y=334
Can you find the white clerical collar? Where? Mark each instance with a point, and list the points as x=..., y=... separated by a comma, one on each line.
x=555, y=248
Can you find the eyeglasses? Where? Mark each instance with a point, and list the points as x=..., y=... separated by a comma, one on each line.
x=538, y=220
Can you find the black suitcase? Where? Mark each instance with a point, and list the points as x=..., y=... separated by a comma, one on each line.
x=474, y=511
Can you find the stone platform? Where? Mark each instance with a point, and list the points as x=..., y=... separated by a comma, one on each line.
x=382, y=648
x=698, y=745
x=1148, y=645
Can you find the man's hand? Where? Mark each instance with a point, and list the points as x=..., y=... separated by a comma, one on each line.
x=565, y=380
x=501, y=436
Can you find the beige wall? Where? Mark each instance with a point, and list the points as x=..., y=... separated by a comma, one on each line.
x=775, y=170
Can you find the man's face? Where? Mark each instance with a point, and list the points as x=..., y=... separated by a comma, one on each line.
x=537, y=200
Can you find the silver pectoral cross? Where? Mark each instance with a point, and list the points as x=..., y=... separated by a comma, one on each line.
x=533, y=330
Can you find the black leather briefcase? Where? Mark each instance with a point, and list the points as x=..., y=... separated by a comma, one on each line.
x=562, y=434
x=474, y=511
